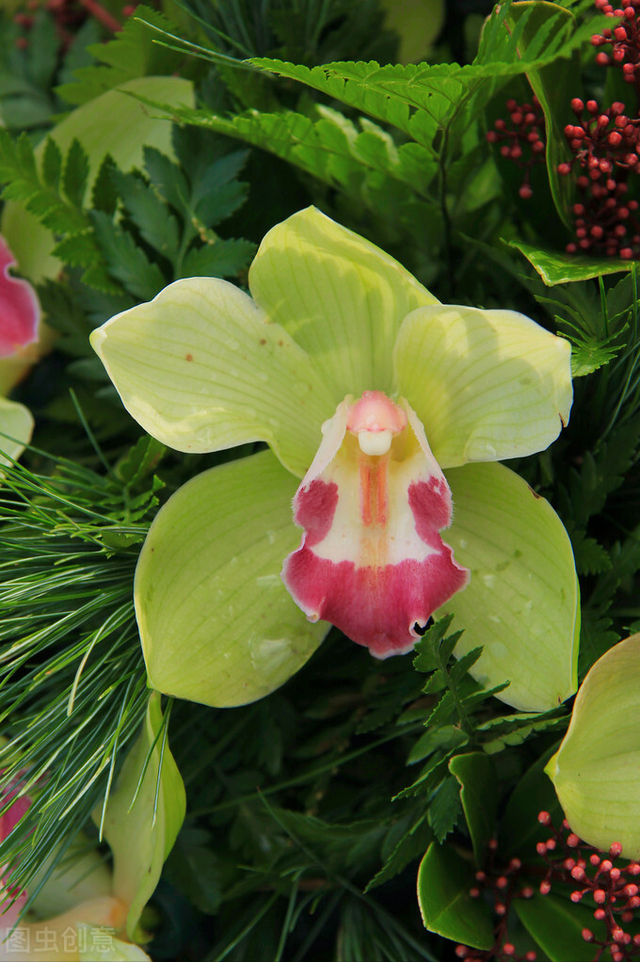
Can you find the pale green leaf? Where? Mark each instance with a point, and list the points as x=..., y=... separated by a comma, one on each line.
x=202, y=368
x=216, y=622
x=339, y=296
x=596, y=771
x=486, y=385
x=521, y=603
x=141, y=832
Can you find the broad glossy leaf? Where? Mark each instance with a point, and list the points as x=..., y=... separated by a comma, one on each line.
x=142, y=832
x=216, y=622
x=477, y=776
x=202, y=368
x=521, y=602
x=485, y=384
x=444, y=880
x=596, y=771
x=557, y=924
x=339, y=296
x=555, y=267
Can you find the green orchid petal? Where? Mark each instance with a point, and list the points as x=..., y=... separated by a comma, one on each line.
x=143, y=817
x=201, y=368
x=16, y=428
x=596, y=771
x=486, y=385
x=216, y=622
x=93, y=124
x=521, y=603
x=340, y=297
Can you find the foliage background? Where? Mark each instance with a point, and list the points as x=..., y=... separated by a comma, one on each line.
x=308, y=811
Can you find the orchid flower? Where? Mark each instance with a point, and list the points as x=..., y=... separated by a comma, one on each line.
x=385, y=412
x=19, y=322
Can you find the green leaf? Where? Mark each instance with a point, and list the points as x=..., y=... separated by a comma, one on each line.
x=477, y=777
x=124, y=260
x=93, y=125
x=51, y=163
x=557, y=268
x=520, y=829
x=216, y=622
x=222, y=258
x=143, y=815
x=104, y=195
x=444, y=880
x=168, y=179
x=521, y=603
x=596, y=770
x=158, y=227
x=141, y=460
x=557, y=925
x=76, y=173
x=410, y=846
x=444, y=808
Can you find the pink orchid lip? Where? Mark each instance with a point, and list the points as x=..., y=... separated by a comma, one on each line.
x=372, y=504
x=19, y=307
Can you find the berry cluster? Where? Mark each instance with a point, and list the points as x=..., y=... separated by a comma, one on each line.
x=503, y=884
x=614, y=890
x=522, y=142
x=606, y=145
x=624, y=39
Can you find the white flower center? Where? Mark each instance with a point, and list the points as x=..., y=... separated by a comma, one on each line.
x=375, y=442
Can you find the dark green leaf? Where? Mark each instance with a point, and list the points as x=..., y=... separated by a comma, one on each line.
x=76, y=173
x=477, y=777
x=224, y=258
x=51, y=163
x=444, y=880
x=104, y=195
x=557, y=924
x=520, y=829
x=445, y=808
x=156, y=224
x=126, y=262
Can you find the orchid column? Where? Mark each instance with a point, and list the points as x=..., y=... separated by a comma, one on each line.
x=377, y=403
